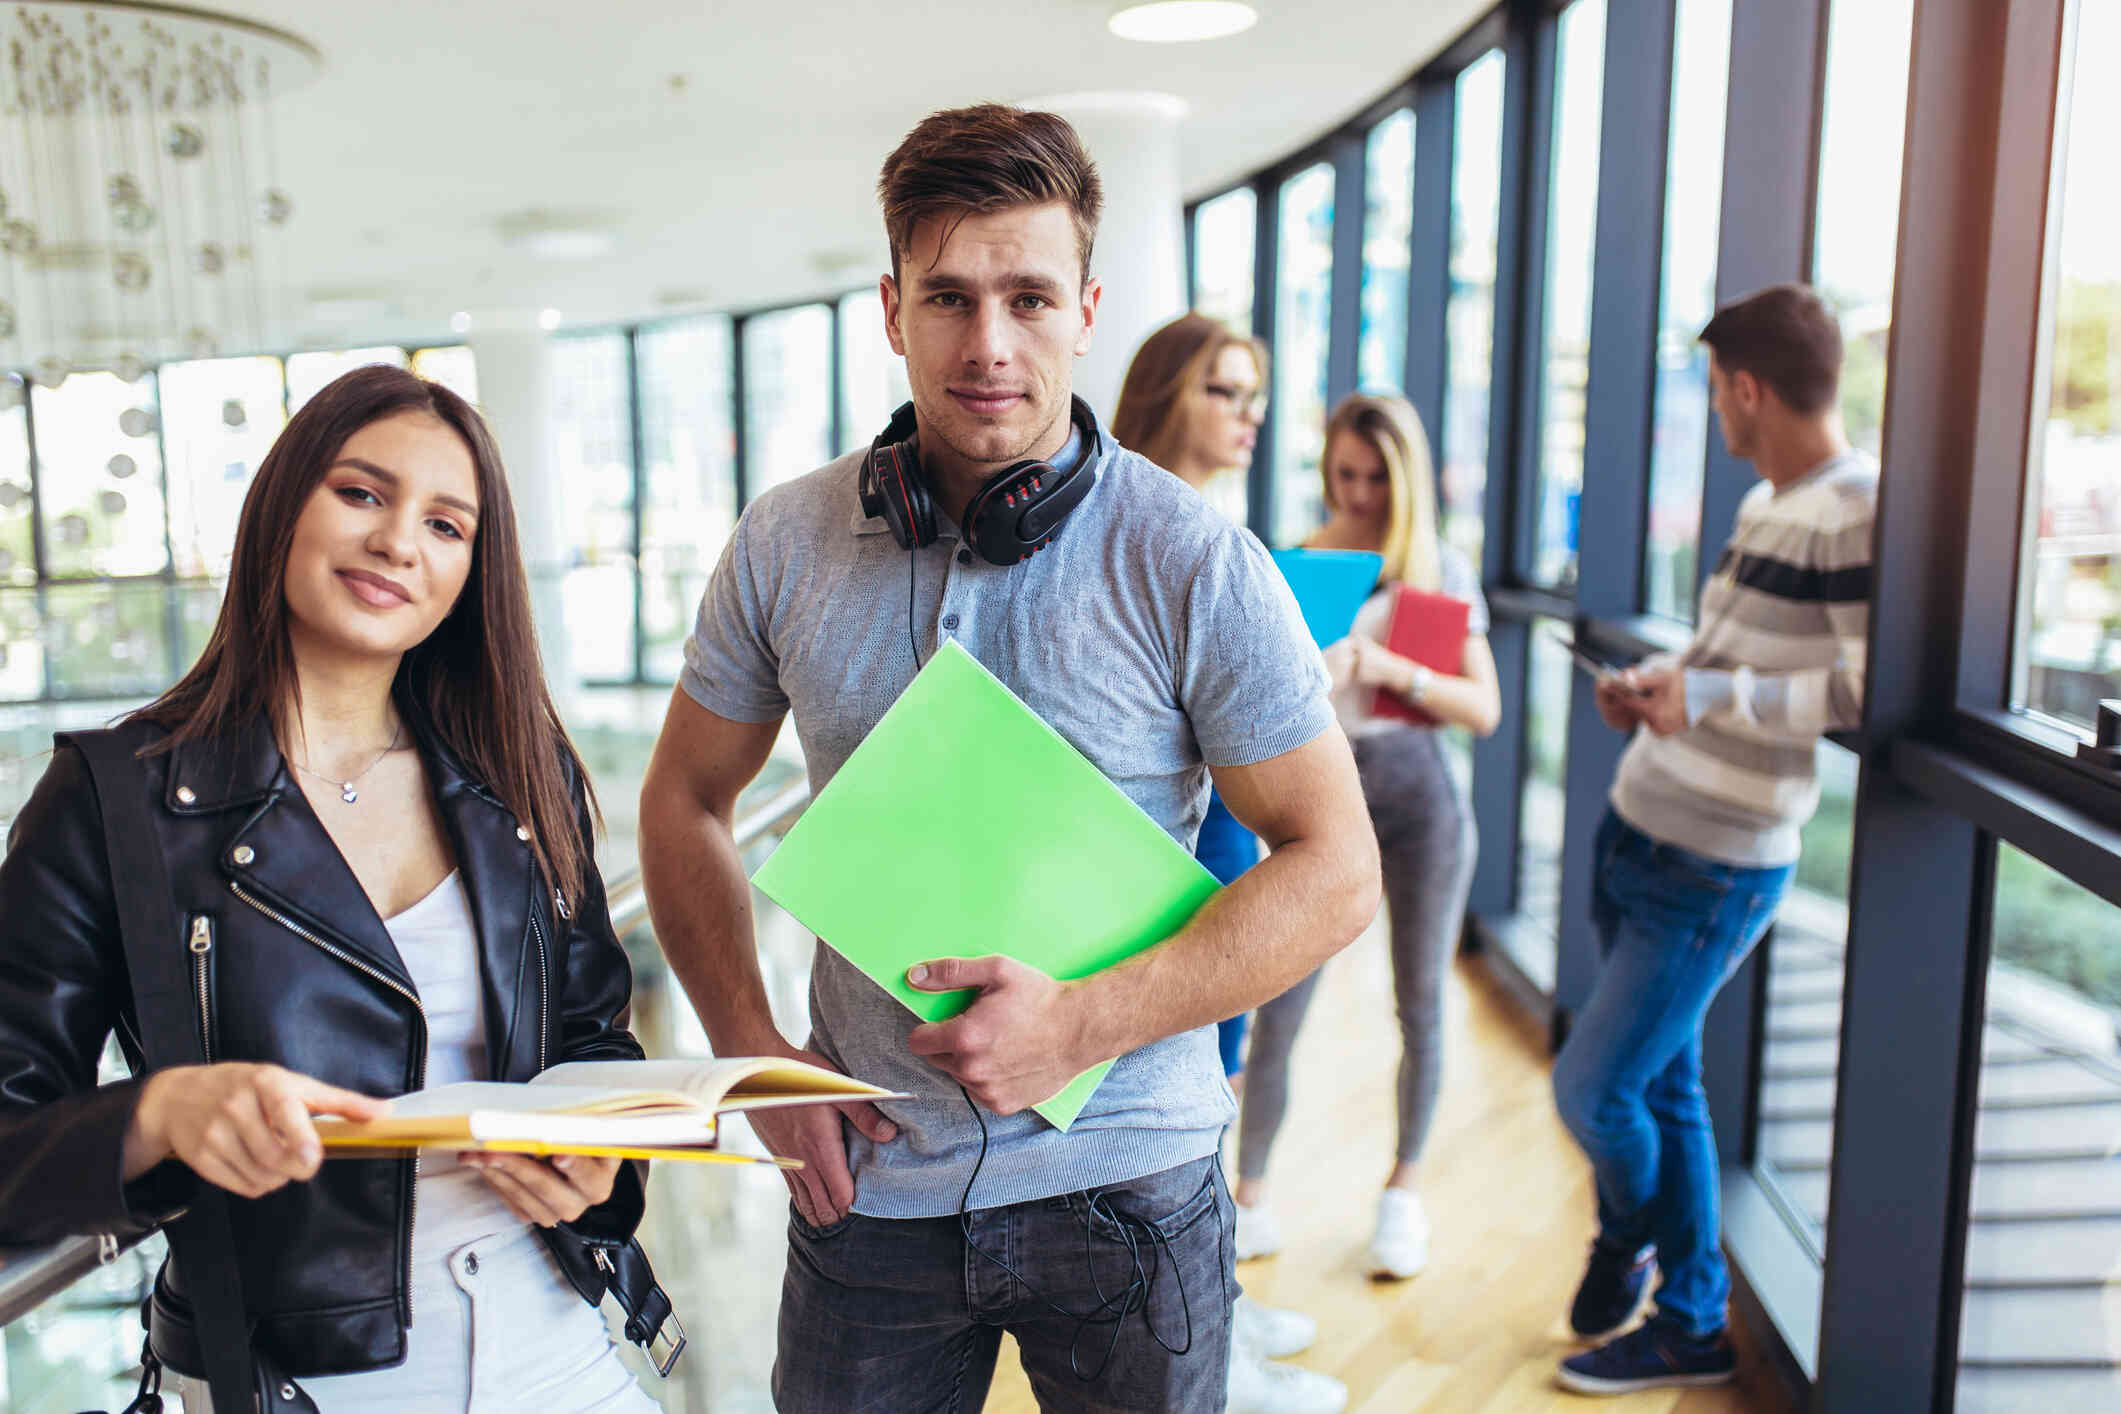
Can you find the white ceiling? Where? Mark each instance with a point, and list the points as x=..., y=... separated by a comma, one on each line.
x=730, y=148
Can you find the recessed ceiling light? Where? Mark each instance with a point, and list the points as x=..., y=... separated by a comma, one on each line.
x=548, y=319
x=1179, y=21
x=558, y=235
x=461, y=321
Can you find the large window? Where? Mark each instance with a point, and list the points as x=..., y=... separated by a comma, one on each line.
x=1387, y=235
x=99, y=476
x=1303, y=307
x=1224, y=233
x=18, y=546
x=1542, y=804
x=591, y=462
x=308, y=372
x=1572, y=225
x=135, y=490
x=787, y=394
x=219, y=419
x=1701, y=57
x=688, y=479
x=2069, y=620
x=1806, y=961
x=21, y=639
x=1858, y=201
x=2043, y=1253
x=453, y=366
x=1853, y=254
x=1469, y=318
x=872, y=377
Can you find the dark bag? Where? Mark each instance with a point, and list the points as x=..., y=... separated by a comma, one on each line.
x=201, y=1240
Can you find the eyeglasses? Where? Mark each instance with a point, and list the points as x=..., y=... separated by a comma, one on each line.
x=1248, y=400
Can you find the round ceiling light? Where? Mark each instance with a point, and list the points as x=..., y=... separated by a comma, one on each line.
x=1180, y=21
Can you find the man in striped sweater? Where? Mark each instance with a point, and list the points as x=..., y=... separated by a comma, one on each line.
x=1702, y=835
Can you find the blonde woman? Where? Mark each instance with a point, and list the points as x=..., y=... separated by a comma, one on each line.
x=1380, y=496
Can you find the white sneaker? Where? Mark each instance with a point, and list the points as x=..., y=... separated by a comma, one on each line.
x=1257, y=1233
x=1271, y=1331
x=1400, y=1246
x=1259, y=1386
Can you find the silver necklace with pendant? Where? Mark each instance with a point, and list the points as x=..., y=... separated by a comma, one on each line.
x=347, y=787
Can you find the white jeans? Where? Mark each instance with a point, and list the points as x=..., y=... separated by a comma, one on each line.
x=495, y=1328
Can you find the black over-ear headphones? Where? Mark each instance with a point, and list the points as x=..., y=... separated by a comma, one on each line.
x=1015, y=513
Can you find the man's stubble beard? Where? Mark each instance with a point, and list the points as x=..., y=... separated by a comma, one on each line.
x=1020, y=452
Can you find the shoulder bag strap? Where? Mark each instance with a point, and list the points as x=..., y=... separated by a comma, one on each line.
x=160, y=966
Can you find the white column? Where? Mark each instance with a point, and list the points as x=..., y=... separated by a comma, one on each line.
x=514, y=358
x=1141, y=242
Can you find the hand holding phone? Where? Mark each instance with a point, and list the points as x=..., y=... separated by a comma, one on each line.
x=1599, y=669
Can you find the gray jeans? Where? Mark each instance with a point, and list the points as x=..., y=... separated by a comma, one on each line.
x=1426, y=838
x=1130, y=1285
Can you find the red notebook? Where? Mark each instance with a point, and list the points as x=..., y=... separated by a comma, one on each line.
x=1430, y=629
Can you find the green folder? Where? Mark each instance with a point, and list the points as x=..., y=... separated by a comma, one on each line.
x=963, y=825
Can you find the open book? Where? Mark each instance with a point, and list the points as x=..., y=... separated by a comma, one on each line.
x=658, y=1109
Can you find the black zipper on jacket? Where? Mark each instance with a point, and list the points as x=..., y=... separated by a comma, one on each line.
x=201, y=943
x=412, y=1193
x=537, y=940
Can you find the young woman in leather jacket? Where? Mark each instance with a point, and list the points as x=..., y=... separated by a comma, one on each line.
x=378, y=839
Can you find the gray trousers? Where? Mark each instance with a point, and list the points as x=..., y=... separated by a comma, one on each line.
x=1426, y=838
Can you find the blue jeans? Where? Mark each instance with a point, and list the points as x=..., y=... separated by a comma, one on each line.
x=1227, y=849
x=902, y=1316
x=1672, y=927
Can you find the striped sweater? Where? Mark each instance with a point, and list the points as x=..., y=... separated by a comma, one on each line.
x=1776, y=660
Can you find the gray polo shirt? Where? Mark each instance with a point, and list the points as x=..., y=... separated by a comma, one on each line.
x=1154, y=635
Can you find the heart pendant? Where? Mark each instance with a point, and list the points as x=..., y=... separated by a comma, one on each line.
x=348, y=794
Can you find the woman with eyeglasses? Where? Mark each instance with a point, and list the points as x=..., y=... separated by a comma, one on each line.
x=1192, y=402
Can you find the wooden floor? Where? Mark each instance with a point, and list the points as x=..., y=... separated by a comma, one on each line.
x=1507, y=1192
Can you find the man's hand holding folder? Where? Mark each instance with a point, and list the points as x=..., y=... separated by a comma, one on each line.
x=1017, y=1045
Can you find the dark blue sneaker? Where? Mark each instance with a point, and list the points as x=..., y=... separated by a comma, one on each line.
x=1613, y=1290
x=1655, y=1355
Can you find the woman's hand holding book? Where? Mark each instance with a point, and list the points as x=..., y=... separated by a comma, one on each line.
x=242, y=1127
x=546, y=1191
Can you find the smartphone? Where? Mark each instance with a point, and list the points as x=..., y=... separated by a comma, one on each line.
x=1597, y=667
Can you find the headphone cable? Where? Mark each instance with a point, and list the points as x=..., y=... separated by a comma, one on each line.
x=1140, y=1238
x=912, y=640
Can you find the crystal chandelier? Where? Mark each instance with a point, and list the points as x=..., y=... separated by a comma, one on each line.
x=140, y=204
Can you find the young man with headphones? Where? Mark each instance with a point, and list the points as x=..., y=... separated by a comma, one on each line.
x=1160, y=641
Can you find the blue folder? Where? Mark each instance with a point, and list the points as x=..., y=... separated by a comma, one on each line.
x=1331, y=587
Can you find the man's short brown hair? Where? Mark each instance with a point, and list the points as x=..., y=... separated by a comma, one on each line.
x=1786, y=337
x=985, y=158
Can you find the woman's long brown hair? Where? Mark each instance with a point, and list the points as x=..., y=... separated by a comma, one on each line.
x=1168, y=374
x=476, y=679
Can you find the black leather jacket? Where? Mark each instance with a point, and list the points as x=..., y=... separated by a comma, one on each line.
x=292, y=966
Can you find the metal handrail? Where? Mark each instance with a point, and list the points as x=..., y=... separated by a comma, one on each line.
x=626, y=899
x=30, y=1276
